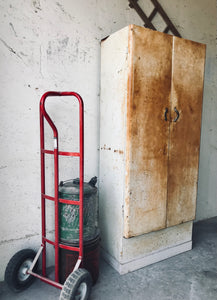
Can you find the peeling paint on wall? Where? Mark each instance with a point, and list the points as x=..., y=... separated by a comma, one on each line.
x=9, y=48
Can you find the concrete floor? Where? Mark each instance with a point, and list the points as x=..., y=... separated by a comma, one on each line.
x=188, y=276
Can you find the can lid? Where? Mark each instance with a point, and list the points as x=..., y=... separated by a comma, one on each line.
x=72, y=186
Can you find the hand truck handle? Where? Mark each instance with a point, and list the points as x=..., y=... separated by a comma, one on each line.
x=53, y=94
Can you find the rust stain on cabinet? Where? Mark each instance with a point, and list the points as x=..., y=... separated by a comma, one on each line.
x=162, y=154
x=187, y=93
x=149, y=86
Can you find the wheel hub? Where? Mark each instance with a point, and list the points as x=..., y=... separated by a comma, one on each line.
x=22, y=273
x=81, y=291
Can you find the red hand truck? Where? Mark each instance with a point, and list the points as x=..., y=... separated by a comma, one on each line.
x=20, y=270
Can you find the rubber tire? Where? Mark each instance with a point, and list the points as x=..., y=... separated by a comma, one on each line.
x=13, y=267
x=73, y=282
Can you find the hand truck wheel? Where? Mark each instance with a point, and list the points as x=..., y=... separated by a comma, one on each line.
x=77, y=286
x=15, y=274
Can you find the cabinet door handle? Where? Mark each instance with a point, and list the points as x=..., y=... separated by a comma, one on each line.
x=165, y=114
x=177, y=114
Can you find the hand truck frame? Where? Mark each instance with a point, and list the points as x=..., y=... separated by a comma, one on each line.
x=83, y=281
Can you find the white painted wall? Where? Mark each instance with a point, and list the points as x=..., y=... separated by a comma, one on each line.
x=55, y=45
x=45, y=45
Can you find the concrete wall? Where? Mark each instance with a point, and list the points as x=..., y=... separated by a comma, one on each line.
x=55, y=45
x=46, y=45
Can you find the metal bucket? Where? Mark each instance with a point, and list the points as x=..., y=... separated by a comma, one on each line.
x=69, y=214
x=68, y=259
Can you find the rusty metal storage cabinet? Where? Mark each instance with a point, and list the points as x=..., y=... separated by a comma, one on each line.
x=151, y=103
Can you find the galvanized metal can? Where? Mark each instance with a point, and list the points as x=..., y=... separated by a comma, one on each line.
x=69, y=214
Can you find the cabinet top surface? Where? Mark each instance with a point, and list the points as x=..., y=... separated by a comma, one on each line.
x=141, y=28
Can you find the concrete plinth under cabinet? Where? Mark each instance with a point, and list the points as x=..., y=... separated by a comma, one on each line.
x=147, y=249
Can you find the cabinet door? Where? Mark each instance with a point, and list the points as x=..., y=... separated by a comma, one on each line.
x=149, y=86
x=187, y=92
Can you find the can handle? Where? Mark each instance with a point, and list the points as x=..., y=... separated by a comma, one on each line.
x=93, y=181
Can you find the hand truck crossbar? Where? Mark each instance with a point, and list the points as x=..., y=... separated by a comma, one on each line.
x=61, y=152
x=66, y=201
